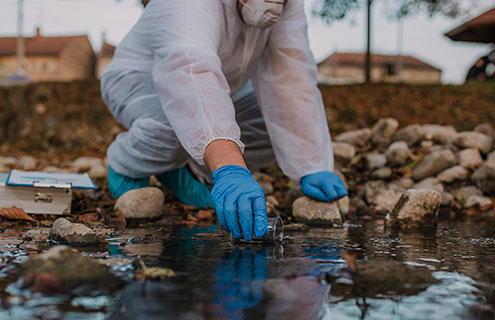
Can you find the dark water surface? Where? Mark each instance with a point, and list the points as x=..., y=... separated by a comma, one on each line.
x=218, y=280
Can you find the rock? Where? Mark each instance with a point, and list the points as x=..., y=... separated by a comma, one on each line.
x=290, y=196
x=415, y=208
x=375, y=160
x=65, y=231
x=491, y=157
x=267, y=187
x=357, y=137
x=384, y=173
x=382, y=131
x=52, y=169
x=343, y=152
x=430, y=183
x=480, y=201
x=142, y=203
x=271, y=206
x=484, y=178
x=485, y=128
x=344, y=206
x=314, y=212
x=381, y=195
x=440, y=134
x=98, y=171
x=342, y=177
x=398, y=153
x=296, y=227
x=465, y=192
x=72, y=269
x=411, y=134
x=8, y=161
x=470, y=158
x=471, y=139
x=86, y=163
x=4, y=169
x=27, y=163
x=447, y=199
x=433, y=164
x=452, y=174
x=406, y=183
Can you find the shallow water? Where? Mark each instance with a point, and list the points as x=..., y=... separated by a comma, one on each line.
x=216, y=279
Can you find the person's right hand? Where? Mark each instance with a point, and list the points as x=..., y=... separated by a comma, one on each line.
x=239, y=200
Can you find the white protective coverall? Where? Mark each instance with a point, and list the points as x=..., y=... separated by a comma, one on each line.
x=180, y=80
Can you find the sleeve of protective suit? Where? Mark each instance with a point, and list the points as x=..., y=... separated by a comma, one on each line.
x=187, y=74
x=286, y=87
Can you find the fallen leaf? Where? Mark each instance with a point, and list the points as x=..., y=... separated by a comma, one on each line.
x=89, y=218
x=205, y=214
x=186, y=207
x=350, y=259
x=115, y=219
x=153, y=273
x=15, y=214
x=191, y=217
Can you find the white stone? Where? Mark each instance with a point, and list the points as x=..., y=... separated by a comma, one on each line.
x=384, y=173
x=491, y=157
x=475, y=200
x=98, y=171
x=267, y=187
x=86, y=163
x=470, y=158
x=452, y=174
x=357, y=137
x=382, y=131
x=310, y=211
x=440, y=134
x=343, y=151
x=375, y=160
x=434, y=163
x=27, y=163
x=8, y=161
x=484, y=178
x=411, y=134
x=416, y=207
x=471, y=139
x=141, y=203
x=72, y=233
x=430, y=183
x=406, y=183
x=381, y=195
x=398, y=153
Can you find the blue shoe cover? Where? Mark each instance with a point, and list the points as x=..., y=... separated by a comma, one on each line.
x=186, y=188
x=120, y=184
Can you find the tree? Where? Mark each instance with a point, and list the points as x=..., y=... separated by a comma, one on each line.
x=331, y=10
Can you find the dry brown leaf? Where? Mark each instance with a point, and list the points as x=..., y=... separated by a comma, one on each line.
x=350, y=259
x=206, y=215
x=153, y=273
x=15, y=213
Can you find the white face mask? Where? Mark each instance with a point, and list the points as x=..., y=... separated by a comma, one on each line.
x=262, y=13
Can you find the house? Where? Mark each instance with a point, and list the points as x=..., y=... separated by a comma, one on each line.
x=346, y=68
x=104, y=57
x=58, y=58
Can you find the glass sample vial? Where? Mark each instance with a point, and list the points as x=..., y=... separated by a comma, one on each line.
x=274, y=235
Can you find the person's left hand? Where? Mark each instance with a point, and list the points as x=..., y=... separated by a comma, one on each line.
x=324, y=186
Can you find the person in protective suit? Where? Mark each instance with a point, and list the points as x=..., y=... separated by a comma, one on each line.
x=210, y=88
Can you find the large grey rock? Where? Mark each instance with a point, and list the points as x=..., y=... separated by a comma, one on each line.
x=452, y=174
x=484, y=178
x=411, y=134
x=470, y=158
x=375, y=160
x=440, y=134
x=27, y=163
x=72, y=270
x=65, y=231
x=471, y=139
x=142, y=203
x=416, y=207
x=430, y=183
x=314, y=212
x=343, y=152
x=433, y=164
x=381, y=195
x=356, y=137
x=382, y=131
x=480, y=201
x=398, y=153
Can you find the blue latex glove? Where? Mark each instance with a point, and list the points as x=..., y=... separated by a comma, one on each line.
x=324, y=186
x=239, y=200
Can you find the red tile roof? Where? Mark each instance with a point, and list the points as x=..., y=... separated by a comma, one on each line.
x=479, y=29
x=106, y=50
x=358, y=59
x=38, y=45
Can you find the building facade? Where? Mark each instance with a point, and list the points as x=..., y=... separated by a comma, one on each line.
x=59, y=58
x=348, y=68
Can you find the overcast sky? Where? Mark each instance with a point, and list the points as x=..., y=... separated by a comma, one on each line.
x=423, y=37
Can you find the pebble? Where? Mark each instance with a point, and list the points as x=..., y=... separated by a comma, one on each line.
x=430, y=183
x=434, y=163
x=452, y=174
x=384, y=173
x=343, y=152
x=480, y=201
x=470, y=158
x=471, y=139
x=411, y=134
x=67, y=232
x=381, y=195
x=27, y=163
x=314, y=212
x=485, y=128
x=415, y=208
x=484, y=178
x=98, y=171
x=382, y=131
x=144, y=203
x=398, y=154
x=8, y=161
x=357, y=138
x=447, y=199
x=375, y=160
x=440, y=134
x=86, y=163
x=267, y=187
